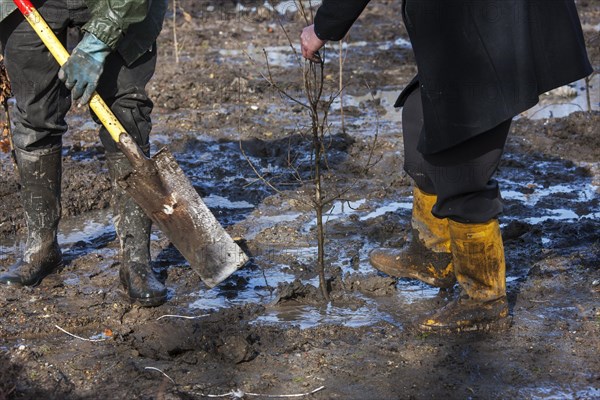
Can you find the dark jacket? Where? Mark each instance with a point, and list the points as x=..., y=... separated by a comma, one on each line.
x=480, y=62
x=129, y=26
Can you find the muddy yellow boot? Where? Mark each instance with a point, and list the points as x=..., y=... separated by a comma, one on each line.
x=478, y=257
x=426, y=256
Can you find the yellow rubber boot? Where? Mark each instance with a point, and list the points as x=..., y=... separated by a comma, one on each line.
x=426, y=256
x=480, y=268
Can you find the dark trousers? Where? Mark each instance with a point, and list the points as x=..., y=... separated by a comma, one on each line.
x=41, y=98
x=461, y=175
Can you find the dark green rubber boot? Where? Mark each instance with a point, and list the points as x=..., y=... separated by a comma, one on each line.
x=133, y=230
x=40, y=174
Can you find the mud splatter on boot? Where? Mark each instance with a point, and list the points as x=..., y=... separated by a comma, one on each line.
x=478, y=257
x=427, y=255
x=40, y=175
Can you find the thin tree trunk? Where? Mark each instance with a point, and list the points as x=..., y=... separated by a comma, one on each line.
x=341, y=72
x=175, y=42
x=320, y=225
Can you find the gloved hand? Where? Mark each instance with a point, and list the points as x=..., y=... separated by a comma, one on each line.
x=82, y=70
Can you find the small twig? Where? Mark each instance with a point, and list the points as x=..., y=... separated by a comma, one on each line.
x=587, y=92
x=175, y=42
x=238, y=394
x=260, y=176
x=182, y=316
x=156, y=369
x=552, y=105
x=270, y=81
x=341, y=83
x=374, y=143
x=79, y=337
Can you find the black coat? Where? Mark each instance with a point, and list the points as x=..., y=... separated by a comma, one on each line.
x=480, y=62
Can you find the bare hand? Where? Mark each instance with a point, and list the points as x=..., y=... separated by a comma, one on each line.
x=311, y=44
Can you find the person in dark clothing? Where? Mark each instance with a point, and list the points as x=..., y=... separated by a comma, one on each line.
x=117, y=55
x=479, y=64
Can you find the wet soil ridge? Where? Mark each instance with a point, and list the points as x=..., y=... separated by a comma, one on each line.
x=265, y=330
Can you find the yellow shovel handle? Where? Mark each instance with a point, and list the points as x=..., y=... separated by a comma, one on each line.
x=106, y=116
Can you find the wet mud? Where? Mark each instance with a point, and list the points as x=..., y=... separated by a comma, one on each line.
x=266, y=330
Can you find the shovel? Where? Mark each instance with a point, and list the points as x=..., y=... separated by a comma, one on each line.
x=159, y=186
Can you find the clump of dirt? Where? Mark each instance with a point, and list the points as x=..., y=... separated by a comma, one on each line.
x=372, y=285
x=211, y=338
x=574, y=137
x=298, y=291
x=8, y=376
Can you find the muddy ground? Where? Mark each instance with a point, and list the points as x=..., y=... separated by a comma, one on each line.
x=265, y=331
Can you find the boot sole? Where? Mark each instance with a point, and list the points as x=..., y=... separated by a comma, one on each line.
x=149, y=302
x=55, y=270
x=411, y=275
x=144, y=301
x=499, y=325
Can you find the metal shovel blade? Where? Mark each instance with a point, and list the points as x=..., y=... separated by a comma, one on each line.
x=159, y=186
x=165, y=194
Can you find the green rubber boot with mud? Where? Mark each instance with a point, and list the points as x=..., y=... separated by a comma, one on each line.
x=133, y=229
x=480, y=268
x=426, y=256
x=40, y=177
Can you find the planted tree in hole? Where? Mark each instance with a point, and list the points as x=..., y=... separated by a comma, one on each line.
x=322, y=181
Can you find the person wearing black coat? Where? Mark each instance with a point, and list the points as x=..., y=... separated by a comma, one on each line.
x=480, y=63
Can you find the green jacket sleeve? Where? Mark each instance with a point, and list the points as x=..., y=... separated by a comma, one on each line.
x=111, y=18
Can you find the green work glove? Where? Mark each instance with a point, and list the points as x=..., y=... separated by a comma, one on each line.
x=82, y=70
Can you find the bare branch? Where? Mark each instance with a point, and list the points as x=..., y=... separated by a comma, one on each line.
x=258, y=174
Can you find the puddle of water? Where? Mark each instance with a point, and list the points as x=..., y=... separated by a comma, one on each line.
x=345, y=209
x=287, y=57
x=585, y=193
x=554, y=392
x=391, y=207
x=386, y=97
x=214, y=201
x=276, y=56
x=257, y=289
x=310, y=316
x=338, y=210
x=553, y=106
x=412, y=291
x=82, y=229
x=545, y=199
x=556, y=215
